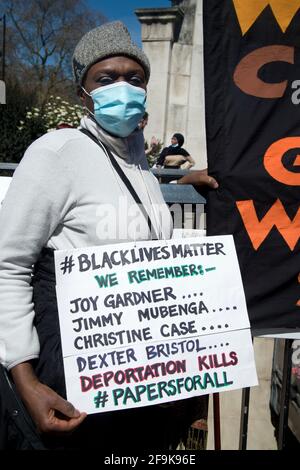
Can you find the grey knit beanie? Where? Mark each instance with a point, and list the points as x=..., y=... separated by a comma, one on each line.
x=107, y=40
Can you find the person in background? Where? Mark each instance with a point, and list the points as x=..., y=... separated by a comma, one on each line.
x=198, y=178
x=175, y=156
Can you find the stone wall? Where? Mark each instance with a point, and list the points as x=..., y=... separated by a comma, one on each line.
x=173, y=40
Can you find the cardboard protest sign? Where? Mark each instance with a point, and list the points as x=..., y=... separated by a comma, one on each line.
x=150, y=322
x=188, y=233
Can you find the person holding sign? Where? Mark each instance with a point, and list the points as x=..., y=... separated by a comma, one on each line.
x=77, y=188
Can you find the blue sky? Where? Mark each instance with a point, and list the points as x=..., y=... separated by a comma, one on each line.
x=124, y=10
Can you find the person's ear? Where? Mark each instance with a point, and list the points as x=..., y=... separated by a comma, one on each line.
x=81, y=95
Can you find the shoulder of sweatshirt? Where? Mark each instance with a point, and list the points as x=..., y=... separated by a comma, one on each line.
x=52, y=154
x=55, y=150
x=55, y=140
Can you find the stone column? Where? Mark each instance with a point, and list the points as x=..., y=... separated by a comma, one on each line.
x=160, y=29
x=196, y=131
x=186, y=109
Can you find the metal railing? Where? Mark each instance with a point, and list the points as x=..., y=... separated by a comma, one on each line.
x=186, y=204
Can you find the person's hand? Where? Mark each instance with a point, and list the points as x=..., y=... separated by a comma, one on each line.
x=49, y=411
x=200, y=424
x=199, y=178
x=154, y=141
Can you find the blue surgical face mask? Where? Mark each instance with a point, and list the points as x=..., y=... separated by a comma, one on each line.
x=118, y=107
x=175, y=145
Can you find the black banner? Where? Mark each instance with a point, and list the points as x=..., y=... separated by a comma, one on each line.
x=252, y=95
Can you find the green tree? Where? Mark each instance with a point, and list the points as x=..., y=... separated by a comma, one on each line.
x=153, y=150
x=41, y=37
x=14, y=142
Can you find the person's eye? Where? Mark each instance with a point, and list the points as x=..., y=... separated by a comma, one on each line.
x=105, y=80
x=136, y=80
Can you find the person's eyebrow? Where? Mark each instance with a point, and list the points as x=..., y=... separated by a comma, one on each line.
x=108, y=68
x=105, y=70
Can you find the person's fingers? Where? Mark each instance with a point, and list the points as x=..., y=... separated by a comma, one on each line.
x=61, y=425
x=205, y=180
x=199, y=178
x=50, y=412
x=65, y=407
x=53, y=423
x=200, y=424
x=212, y=182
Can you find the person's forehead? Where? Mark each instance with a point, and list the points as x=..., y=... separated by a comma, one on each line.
x=116, y=62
